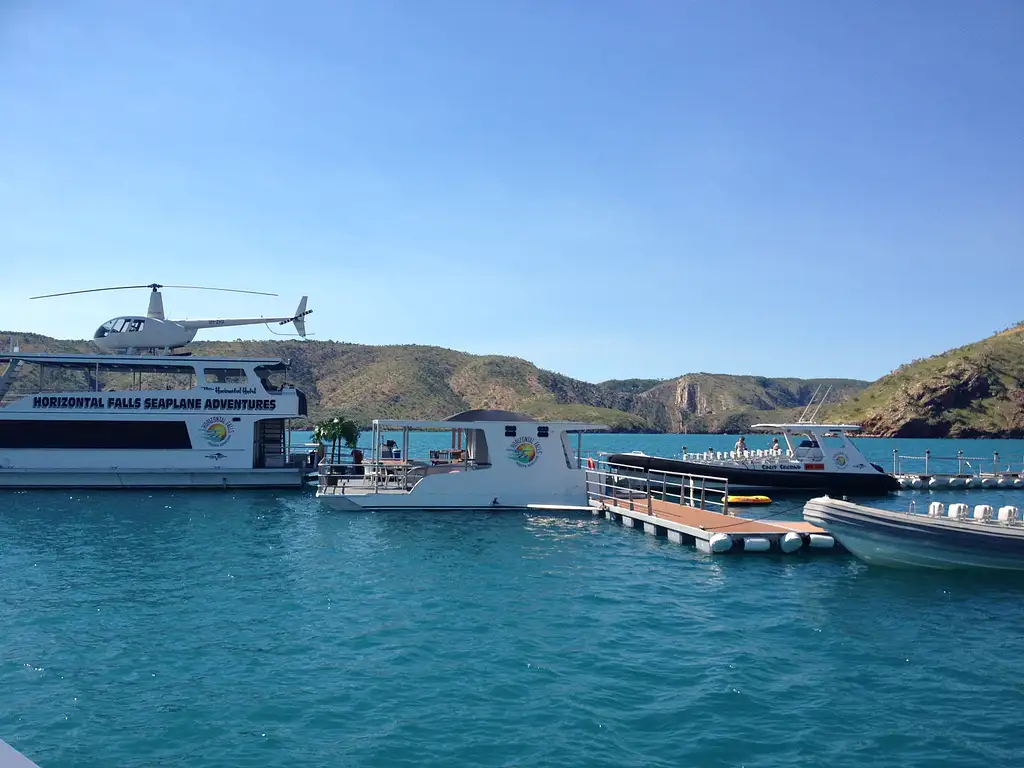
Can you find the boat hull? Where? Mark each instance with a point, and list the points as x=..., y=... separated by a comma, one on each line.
x=795, y=480
x=902, y=540
x=386, y=500
x=21, y=479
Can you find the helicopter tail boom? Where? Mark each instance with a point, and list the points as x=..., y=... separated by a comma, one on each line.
x=298, y=319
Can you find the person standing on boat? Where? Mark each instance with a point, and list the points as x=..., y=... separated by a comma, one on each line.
x=741, y=445
x=775, y=448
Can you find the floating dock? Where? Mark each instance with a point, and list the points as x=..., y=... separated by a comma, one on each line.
x=960, y=472
x=698, y=517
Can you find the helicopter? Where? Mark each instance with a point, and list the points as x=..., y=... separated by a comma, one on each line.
x=136, y=334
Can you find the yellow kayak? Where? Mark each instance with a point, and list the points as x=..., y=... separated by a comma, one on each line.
x=748, y=500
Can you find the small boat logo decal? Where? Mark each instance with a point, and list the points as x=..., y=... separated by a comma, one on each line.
x=524, y=451
x=840, y=460
x=216, y=456
x=217, y=431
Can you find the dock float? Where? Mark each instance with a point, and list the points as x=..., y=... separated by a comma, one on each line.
x=699, y=516
x=958, y=472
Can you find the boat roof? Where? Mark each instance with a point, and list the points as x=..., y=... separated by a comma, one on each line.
x=808, y=425
x=473, y=419
x=132, y=362
x=490, y=414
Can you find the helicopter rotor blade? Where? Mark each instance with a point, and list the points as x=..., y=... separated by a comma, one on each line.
x=88, y=290
x=230, y=290
x=154, y=286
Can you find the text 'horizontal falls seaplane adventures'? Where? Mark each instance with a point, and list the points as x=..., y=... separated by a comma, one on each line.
x=154, y=333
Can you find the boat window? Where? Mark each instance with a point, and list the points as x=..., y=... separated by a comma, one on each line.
x=272, y=378
x=832, y=441
x=567, y=450
x=94, y=434
x=224, y=376
x=542, y=431
x=510, y=431
x=476, y=446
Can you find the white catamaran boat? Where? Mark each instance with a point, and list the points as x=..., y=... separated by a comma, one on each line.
x=497, y=460
x=130, y=421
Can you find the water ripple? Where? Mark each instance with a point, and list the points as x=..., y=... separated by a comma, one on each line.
x=260, y=629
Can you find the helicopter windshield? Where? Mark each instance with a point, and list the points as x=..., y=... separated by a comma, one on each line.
x=119, y=325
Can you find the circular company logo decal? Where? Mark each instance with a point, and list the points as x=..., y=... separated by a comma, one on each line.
x=217, y=431
x=524, y=451
x=840, y=459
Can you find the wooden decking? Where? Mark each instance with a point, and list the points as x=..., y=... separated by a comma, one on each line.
x=685, y=524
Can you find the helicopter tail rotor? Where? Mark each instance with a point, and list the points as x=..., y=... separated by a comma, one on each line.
x=299, y=319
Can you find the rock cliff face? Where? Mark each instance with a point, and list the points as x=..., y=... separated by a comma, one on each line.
x=972, y=391
x=708, y=402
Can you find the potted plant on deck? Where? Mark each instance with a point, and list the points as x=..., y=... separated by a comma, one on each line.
x=337, y=432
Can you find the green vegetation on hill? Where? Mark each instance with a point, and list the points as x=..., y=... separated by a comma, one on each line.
x=422, y=382
x=971, y=391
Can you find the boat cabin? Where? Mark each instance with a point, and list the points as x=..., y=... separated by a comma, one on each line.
x=826, y=444
x=92, y=415
x=478, y=458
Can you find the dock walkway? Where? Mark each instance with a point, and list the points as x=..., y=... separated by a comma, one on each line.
x=701, y=516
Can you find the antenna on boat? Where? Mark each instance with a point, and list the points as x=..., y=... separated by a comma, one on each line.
x=803, y=416
x=823, y=399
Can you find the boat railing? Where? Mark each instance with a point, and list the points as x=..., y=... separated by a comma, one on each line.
x=388, y=474
x=623, y=484
x=757, y=454
x=959, y=465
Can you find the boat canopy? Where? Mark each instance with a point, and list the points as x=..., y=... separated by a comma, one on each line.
x=460, y=421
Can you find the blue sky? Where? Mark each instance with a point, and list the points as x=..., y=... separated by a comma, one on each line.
x=607, y=189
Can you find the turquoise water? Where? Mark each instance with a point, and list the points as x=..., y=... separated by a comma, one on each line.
x=259, y=629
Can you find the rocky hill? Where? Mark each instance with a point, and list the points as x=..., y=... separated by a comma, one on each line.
x=710, y=402
x=972, y=391
x=411, y=381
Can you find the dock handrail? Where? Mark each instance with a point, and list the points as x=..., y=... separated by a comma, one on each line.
x=608, y=481
x=961, y=461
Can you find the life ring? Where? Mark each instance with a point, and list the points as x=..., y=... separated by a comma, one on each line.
x=591, y=464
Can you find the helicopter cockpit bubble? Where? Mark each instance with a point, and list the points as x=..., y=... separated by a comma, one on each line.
x=120, y=325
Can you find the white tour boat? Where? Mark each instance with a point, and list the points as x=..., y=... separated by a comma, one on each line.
x=497, y=460
x=131, y=421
